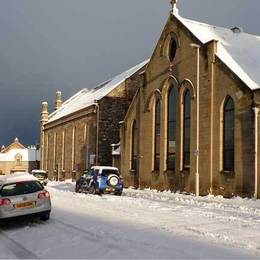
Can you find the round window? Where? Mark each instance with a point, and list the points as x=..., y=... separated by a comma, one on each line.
x=172, y=49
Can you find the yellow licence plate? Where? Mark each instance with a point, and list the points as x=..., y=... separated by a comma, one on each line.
x=25, y=205
x=110, y=189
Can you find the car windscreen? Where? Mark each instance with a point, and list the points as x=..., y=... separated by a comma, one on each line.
x=40, y=175
x=107, y=172
x=19, y=188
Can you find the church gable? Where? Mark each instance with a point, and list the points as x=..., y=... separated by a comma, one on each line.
x=172, y=52
x=195, y=87
x=14, y=145
x=238, y=51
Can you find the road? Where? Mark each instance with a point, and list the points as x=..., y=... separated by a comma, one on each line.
x=140, y=224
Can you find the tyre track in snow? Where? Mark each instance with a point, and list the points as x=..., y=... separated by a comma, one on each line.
x=87, y=234
x=16, y=248
x=98, y=238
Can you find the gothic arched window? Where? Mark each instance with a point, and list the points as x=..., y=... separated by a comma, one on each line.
x=186, y=128
x=157, y=132
x=228, y=135
x=171, y=149
x=172, y=49
x=134, y=165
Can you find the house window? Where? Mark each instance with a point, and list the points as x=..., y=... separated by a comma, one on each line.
x=18, y=159
x=228, y=135
x=186, y=129
x=172, y=49
x=157, y=135
x=18, y=162
x=171, y=152
x=134, y=146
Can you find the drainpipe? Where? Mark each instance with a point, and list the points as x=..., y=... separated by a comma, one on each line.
x=197, y=176
x=97, y=139
x=256, y=111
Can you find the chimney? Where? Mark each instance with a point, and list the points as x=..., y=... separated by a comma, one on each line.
x=45, y=113
x=58, y=101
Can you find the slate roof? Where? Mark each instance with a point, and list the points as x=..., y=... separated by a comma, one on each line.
x=86, y=98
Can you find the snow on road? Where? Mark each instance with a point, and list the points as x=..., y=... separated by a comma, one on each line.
x=140, y=224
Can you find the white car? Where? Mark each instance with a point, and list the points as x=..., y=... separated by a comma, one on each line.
x=22, y=194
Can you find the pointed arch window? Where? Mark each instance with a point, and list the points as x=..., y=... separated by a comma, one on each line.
x=229, y=135
x=171, y=149
x=157, y=132
x=134, y=165
x=172, y=49
x=186, y=128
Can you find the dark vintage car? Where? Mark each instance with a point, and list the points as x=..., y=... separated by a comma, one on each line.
x=100, y=179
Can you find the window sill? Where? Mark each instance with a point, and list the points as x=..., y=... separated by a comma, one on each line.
x=228, y=174
x=185, y=172
x=169, y=173
x=132, y=172
x=156, y=173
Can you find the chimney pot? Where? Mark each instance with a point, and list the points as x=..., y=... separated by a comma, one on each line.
x=58, y=101
x=45, y=113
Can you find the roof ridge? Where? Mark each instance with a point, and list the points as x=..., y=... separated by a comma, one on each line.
x=215, y=26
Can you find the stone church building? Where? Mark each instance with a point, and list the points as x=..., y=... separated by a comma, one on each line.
x=80, y=132
x=193, y=124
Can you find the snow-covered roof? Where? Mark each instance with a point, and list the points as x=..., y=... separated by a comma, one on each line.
x=28, y=155
x=86, y=98
x=104, y=168
x=239, y=51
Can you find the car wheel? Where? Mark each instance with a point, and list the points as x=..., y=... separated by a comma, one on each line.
x=118, y=193
x=45, y=216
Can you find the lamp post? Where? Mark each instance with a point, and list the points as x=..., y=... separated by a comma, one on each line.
x=256, y=111
x=97, y=139
x=197, y=47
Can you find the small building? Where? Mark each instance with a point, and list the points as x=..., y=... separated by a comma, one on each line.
x=193, y=124
x=79, y=133
x=17, y=158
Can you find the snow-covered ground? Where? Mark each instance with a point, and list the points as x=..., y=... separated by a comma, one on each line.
x=140, y=224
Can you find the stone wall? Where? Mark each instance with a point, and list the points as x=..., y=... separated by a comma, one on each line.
x=6, y=167
x=113, y=109
x=70, y=143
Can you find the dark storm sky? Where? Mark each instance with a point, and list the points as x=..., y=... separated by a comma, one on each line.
x=46, y=45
